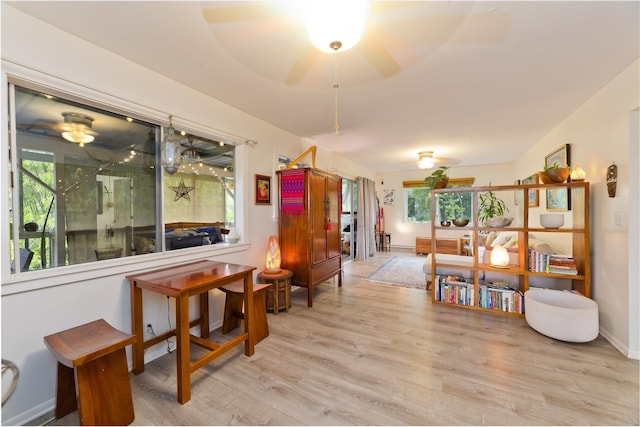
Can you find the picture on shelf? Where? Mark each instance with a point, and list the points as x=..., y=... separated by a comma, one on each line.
x=559, y=198
x=532, y=197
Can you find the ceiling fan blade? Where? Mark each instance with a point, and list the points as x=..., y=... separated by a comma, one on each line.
x=301, y=66
x=378, y=56
x=216, y=15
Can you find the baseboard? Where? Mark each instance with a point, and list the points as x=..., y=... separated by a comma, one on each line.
x=621, y=347
x=29, y=416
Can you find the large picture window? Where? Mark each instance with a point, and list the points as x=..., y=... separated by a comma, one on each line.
x=452, y=205
x=86, y=184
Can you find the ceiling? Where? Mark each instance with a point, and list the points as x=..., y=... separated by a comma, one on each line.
x=476, y=82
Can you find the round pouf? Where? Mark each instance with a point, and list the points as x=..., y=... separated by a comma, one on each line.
x=562, y=315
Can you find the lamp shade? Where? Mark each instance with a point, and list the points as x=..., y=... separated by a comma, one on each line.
x=171, y=152
x=426, y=160
x=273, y=256
x=333, y=21
x=78, y=136
x=499, y=257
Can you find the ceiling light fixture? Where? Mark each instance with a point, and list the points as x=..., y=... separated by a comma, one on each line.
x=339, y=21
x=336, y=25
x=77, y=128
x=190, y=155
x=426, y=159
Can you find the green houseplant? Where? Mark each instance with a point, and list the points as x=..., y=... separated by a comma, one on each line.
x=491, y=209
x=437, y=179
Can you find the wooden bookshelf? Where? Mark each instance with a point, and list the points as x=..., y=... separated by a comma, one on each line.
x=526, y=269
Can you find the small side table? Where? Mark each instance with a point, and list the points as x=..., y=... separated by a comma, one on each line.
x=279, y=295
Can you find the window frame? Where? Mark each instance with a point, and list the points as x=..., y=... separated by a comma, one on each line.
x=453, y=182
x=14, y=74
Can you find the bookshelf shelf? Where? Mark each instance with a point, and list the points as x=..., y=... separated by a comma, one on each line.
x=533, y=251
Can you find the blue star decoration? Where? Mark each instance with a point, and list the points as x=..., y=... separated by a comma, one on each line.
x=182, y=191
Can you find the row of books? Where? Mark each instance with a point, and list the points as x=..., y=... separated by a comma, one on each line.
x=492, y=295
x=500, y=296
x=551, y=263
x=454, y=290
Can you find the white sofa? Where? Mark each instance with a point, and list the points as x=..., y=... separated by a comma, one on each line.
x=506, y=239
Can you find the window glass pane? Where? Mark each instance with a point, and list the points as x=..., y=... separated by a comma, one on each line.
x=80, y=169
x=450, y=205
x=199, y=204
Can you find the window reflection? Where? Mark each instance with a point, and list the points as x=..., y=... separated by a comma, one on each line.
x=92, y=193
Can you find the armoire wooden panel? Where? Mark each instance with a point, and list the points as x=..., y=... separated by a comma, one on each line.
x=309, y=226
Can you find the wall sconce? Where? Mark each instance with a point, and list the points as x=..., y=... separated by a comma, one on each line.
x=577, y=174
x=612, y=179
x=170, y=147
x=499, y=257
x=273, y=256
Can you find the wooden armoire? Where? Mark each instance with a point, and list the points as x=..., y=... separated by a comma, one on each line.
x=309, y=226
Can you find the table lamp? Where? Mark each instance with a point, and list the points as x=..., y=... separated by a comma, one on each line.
x=499, y=257
x=273, y=256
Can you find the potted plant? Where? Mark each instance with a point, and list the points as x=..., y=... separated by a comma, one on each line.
x=554, y=173
x=437, y=179
x=491, y=210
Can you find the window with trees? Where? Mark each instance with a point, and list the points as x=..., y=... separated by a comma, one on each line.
x=85, y=182
x=452, y=205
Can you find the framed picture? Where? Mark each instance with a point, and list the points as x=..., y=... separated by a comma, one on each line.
x=263, y=190
x=559, y=156
x=559, y=198
x=532, y=197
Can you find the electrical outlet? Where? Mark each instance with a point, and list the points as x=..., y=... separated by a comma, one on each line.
x=619, y=219
x=149, y=329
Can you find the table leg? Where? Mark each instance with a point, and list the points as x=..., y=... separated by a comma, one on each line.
x=276, y=297
x=249, y=321
x=137, y=354
x=204, y=314
x=183, y=362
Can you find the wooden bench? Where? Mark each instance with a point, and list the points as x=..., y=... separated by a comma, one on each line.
x=443, y=246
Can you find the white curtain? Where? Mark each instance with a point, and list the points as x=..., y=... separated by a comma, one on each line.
x=366, y=218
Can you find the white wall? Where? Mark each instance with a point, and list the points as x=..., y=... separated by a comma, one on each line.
x=43, y=302
x=599, y=134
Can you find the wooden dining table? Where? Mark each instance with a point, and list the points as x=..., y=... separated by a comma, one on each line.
x=181, y=282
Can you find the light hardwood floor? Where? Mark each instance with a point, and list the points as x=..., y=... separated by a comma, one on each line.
x=376, y=354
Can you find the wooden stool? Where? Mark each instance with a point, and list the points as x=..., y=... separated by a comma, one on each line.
x=92, y=373
x=233, y=308
x=279, y=296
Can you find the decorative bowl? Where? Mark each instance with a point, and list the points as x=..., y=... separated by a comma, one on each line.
x=31, y=226
x=498, y=222
x=232, y=239
x=552, y=220
x=445, y=223
x=544, y=178
x=558, y=174
x=460, y=222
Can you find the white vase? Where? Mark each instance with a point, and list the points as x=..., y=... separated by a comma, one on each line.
x=233, y=236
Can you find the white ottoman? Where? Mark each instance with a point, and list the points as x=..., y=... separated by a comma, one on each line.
x=562, y=315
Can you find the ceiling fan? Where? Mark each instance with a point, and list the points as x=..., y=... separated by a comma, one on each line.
x=391, y=26
x=426, y=160
x=75, y=127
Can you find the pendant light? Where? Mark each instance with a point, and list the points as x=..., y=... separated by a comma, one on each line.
x=171, y=150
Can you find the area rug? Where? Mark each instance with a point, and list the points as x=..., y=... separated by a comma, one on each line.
x=401, y=271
